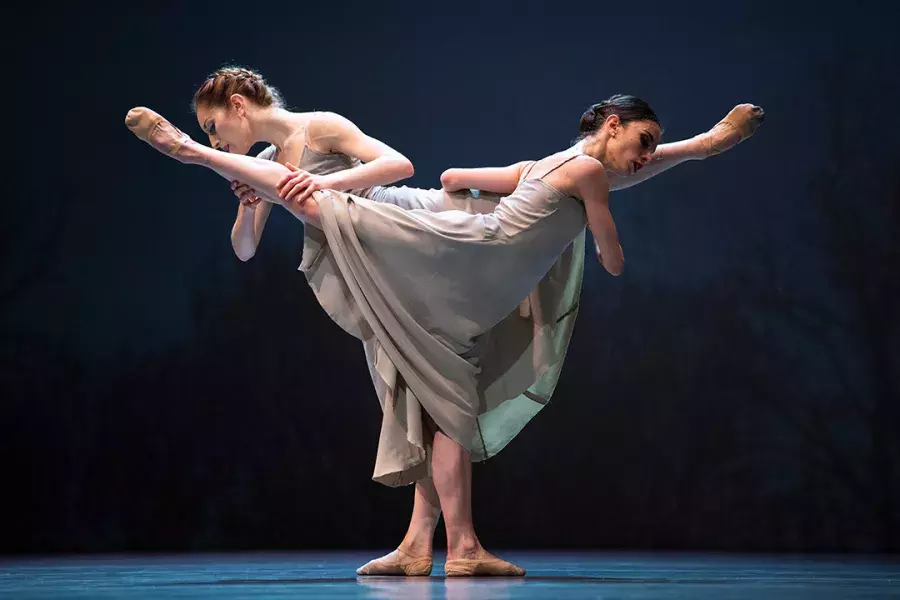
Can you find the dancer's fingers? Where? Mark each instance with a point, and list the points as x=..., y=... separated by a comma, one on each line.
x=297, y=190
x=293, y=176
x=243, y=191
x=306, y=195
x=288, y=187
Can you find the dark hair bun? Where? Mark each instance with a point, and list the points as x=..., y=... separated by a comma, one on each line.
x=587, y=121
x=628, y=108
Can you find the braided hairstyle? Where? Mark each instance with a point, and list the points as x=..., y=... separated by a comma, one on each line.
x=220, y=86
x=628, y=108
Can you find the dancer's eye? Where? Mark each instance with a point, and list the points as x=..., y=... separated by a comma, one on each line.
x=212, y=129
x=645, y=140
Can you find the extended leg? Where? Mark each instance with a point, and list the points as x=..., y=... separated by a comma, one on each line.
x=261, y=175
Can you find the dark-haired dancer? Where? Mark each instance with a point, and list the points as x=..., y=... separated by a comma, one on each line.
x=402, y=280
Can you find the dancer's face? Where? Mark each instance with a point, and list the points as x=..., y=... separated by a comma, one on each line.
x=629, y=145
x=227, y=127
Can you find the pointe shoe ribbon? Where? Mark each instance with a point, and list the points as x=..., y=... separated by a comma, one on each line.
x=405, y=565
x=143, y=122
x=744, y=119
x=467, y=567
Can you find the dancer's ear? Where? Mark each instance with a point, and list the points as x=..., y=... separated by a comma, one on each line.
x=238, y=104
x=614, y=123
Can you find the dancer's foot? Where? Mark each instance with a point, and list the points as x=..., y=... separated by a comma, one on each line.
x=737, y=126
x=480, y=563
x=154, y=129
x=398, y=563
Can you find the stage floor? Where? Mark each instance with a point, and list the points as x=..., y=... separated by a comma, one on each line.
x=554, y=575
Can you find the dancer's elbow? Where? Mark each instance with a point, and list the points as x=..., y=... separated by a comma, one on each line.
x=449, y=180
x=244, y=252
x=407, y=169
x=613, y=266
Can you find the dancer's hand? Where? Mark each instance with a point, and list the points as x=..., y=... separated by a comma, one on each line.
x=298, y=186
x=246, y=194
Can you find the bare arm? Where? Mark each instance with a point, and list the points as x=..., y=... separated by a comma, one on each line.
x=251, y=216
x=330, y=132
x=501, y=180
x=248, y=228
x=592, y=186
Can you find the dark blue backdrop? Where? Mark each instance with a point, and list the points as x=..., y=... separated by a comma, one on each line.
x=736, y=389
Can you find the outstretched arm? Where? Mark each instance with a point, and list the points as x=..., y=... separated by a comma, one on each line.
x=500, y=180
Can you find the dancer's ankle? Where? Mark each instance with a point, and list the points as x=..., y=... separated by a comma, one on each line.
x=701, y=146
x=417, y=545
x=466, y=546
x=191, y=152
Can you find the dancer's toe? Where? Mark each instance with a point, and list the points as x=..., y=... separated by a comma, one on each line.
x=738, y=125
x=397, y=563
x=483, y=566
x=153, y=128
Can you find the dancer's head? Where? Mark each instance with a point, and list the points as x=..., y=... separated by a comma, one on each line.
x=226, y=104
x=621, y=132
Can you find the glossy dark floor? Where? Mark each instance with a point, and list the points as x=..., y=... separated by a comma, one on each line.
x=555, y=575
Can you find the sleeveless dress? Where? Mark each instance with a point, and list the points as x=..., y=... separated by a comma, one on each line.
x=465, y=305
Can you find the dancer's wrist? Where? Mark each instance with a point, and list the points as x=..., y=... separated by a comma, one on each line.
x=329, y=182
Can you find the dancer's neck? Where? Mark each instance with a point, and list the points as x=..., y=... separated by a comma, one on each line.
x=275, y=125
x=594, y=146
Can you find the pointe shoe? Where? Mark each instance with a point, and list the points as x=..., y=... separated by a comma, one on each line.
x=402, y=565
x=154, y=129
x=481, y=567
x=738, y=125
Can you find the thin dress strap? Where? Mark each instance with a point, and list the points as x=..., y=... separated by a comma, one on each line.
x=561, y=163
x=558, y=165
x=528, y=170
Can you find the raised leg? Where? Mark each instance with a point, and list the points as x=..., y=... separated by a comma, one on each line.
x=259, y=174
x=738, y=125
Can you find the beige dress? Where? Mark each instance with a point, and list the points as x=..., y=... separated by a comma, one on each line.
x=465, y=305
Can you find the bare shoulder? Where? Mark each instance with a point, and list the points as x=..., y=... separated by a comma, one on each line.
x=588, y=178
x=582, y=177
x=326, y=120
x=325, y=131
x=588, y=167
